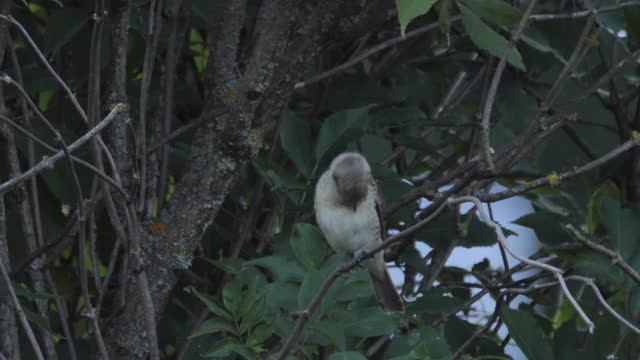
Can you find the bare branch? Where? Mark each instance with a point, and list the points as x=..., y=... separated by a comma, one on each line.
x=615, y=257
x=557, y=272
x=493, y=88
x=153, y=37
x=48, y=162
x=584, y=13
x=557, y=178
x=12, y=292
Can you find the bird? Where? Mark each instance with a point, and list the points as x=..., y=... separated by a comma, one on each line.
x=348, y=210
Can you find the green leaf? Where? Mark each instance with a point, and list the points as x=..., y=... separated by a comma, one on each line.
x=213, y=306
x=371, y=321
x=487, y=39
x=284, y=268
x=227, y=346
x=280, y=180
x=214, y=325
x=549, y=227
x=295, y=137
x=258, y=335
x=527, y=334
x=565, y=342
x=434, y=301
x=340, y=128
x=351, y=355
x=496, y=12
x=480, y=234
x=254, y=316
x=62, y=26
x=537, y=40
x=411, y=9
x=310, y=286
x=282, y=295
x=436, y=343
x=623, y=227
x=40, y=321
x=594, y=264
x=439, y=233
x=332, y=330
x=308, y=245
x=231, y=295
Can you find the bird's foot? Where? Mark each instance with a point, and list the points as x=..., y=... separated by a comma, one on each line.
x=358, y=255
x=343, y=268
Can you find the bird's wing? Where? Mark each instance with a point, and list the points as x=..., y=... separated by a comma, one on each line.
x=379, y=203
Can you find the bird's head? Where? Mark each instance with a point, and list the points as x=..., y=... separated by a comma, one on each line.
x=351, y=173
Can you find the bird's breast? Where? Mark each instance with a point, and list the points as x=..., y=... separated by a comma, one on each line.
x=347, y=230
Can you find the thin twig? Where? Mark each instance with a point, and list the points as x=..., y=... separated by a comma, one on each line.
x=584, y=13
x=555, y=179
x=12, y=292
x=557, y=272
x=48, y=162
x=424, y=29
x=493, y=88
x=75, y=159
x=153, y=37
x=173, y=51
x=64, y=86
x=615, y=257
x=370, y=52
x=633, y=57
x=603, y=301
x=479, y=331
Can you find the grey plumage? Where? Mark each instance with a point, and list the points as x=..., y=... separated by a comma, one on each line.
x=347, y=207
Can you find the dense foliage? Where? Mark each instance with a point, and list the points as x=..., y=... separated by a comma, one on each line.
x=185, y=227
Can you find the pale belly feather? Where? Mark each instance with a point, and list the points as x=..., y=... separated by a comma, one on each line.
x=346, y=230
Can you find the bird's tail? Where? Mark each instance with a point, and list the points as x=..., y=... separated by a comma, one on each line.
x=384, y=289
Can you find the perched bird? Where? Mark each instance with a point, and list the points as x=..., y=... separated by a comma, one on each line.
x=348, y=211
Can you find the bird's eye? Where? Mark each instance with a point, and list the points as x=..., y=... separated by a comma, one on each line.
x=335, y=178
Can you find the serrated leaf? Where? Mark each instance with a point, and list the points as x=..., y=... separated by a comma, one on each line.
x=411, y=9
x=231, y=296
x=487, y=39
x=213, y=306
x=295, y=137
x=214, y=325
x=227, y=346
x=527, y=334
x=549, y=228
x=340, y=128
x=254, y=316
x=308, y=245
